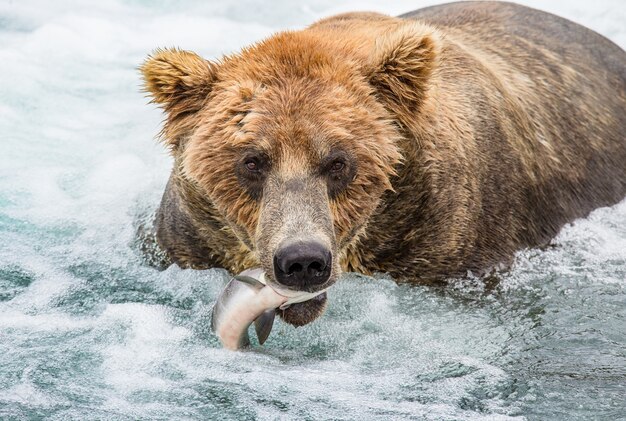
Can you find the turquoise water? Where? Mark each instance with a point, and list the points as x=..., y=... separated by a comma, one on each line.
x=88, y=332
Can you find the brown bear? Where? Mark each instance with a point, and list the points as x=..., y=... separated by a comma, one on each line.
x=424, y=146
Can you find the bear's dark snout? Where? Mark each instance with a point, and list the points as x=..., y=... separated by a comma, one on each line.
x=302, y=265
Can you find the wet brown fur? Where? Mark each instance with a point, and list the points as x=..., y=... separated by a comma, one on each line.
x=475, y=130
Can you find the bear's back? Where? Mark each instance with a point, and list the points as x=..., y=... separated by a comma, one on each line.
x=561, y=36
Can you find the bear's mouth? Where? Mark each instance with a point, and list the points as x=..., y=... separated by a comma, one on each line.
x=300, y=314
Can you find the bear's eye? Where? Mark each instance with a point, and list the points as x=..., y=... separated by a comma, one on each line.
x=252, y=165
x=339, y=170
x=337, y=166
x=252, y=171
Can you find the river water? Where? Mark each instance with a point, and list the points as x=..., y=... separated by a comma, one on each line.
x=88, y=332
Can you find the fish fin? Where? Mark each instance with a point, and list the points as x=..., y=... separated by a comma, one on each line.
x=250, y=281
x=213, y=321
x=263, y=325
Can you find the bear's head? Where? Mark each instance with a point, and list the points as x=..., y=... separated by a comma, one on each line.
x=294, y=140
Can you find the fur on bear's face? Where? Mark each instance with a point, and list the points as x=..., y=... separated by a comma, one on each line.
x=293, y=138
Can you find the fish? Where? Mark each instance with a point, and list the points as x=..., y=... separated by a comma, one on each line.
x=243, y=301
x=247, y=299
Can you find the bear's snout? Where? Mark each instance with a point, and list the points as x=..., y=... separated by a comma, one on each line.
x=302, y=265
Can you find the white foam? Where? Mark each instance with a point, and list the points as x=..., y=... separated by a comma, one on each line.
x=148, y=339
x=26, y=393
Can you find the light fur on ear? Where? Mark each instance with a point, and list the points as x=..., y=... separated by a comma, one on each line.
x=401, y=64
x=180, y=82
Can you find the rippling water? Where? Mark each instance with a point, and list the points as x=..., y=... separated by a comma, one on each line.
x=88, y=332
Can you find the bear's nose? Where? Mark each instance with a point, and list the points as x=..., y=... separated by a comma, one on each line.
x=302, y=265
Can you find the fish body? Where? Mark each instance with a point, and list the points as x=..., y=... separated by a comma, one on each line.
x=246, y=299
x=243, y=301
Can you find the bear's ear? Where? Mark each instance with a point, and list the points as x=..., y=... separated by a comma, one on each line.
x=180, y=82
x=400, y=67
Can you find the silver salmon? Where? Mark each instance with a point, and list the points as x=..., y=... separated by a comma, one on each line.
x=246, y=299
